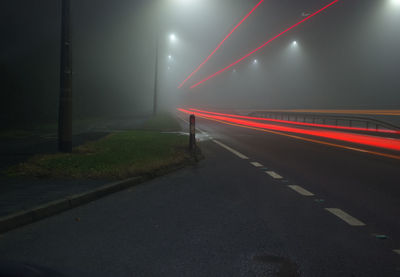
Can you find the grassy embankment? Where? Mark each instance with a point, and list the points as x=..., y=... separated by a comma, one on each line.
x=146, y=152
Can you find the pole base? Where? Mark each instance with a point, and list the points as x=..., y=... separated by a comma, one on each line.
x=65, y=146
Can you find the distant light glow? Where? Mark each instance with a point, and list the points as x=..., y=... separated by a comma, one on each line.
x=172, y=37
x=395, y=2
x=220, y=44
x=255, y=61
x=263, y=45
x=169, y=57
x=185, y=2
x=294, y=43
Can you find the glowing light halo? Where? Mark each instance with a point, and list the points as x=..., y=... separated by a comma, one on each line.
x=263, y=45
x=172, y=37
x=395, y=2
x=220, y=44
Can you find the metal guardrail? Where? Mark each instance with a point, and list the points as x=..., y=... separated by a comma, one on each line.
x=324, y=119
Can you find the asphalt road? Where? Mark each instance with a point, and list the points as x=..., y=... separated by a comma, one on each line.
x=232, y=215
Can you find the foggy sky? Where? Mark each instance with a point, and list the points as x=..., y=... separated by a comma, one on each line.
x=346, y=57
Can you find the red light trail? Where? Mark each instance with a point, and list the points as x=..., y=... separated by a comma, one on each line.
x=265, y=44
x=380, y=142
x=302, y=123
x=220, y=44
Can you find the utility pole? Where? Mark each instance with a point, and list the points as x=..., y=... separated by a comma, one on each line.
x=155, y=106
x=65, y=102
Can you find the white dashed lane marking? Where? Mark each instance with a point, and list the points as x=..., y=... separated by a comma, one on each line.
x=345, y=217
x=256, y=164
x=237, y=153
x=397, y=251
x=274, y=175
x=301, y=190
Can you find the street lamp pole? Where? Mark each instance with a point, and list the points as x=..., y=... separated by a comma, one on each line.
x=65, y=101
x=155, y=106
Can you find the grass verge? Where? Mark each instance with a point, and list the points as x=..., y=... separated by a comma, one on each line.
x=163, y=122
x=117, y=156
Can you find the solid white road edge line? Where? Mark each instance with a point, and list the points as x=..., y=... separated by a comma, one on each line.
x=198, y=129
x=301, y=190
x=256, y=164
x=183, y=119
x=240, y=155
x=357, y=149
x=204, y=132
x=345, y=217
x=274, y=175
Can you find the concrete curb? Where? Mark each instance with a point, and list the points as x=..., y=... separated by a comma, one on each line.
x=25, y=217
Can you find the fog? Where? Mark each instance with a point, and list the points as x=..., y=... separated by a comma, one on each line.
x=345, y=57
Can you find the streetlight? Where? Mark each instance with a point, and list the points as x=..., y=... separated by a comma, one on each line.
x=172, y=38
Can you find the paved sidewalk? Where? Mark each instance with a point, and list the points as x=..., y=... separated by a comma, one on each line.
x=21, y=193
